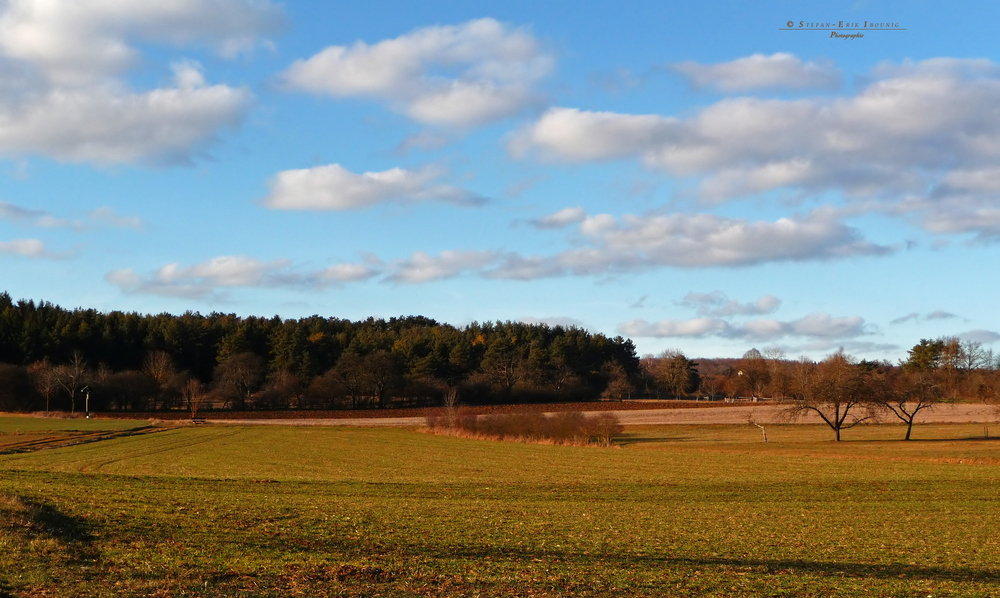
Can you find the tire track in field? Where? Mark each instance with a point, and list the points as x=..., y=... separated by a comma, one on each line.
x=180, y=443
x=75, y=439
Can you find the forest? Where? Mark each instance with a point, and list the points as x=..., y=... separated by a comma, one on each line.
x=56, y=359
x=52, y=358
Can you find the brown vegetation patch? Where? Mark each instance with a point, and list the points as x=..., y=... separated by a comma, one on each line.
x=567, y=428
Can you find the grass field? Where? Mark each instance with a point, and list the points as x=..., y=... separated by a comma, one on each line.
x=677, y=511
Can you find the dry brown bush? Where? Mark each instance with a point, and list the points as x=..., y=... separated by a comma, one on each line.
x=567, y=428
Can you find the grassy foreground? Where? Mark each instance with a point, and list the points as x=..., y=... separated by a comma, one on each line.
x=678, y=511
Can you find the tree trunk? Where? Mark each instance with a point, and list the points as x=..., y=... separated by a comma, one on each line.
x=909, y=428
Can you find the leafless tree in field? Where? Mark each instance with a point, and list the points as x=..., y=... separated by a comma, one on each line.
x=834, y=389
x=72, y=377
x=158, y=366
x=753, y=371
x=905, y=394
x=450, y=403
x=194, y=395
x=45, y=379
x=240, y=375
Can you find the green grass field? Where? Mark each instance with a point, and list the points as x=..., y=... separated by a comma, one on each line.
x=677, y=511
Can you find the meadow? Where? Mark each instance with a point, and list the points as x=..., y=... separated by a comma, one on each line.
x=675, y=511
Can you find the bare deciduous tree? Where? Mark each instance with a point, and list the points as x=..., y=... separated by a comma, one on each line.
x=158, y=366
x=72, y=377
x=835, y=390
x=44, y=377
x=194, y=395
x=239, y=376
x=754, y=373
x=619, y=386
x=905, y=395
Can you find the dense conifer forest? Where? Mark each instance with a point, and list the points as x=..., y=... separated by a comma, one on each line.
x=51, y=356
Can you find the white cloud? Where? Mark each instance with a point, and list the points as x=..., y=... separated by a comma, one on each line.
x=63, y=94
x=716, y=304
x=457, y=75
x=205, y=279
x=693, y=328
x=691, y=241
x=814, y=326
x=985, y=337
x=79, y=43
x=916, y=126
x=564, y=321
x=777, y=71
x=421, y=267
x=333, y=187
x=24, y=248
x=822, y=325
x=573, y=135
x=107, y=125
x=560, y=219
x=341, y=273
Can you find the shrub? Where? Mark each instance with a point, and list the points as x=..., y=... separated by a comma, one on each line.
x=569, y=427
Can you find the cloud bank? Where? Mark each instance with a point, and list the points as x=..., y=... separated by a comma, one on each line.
x=63, y=94
x=333, y=187
x=457, y=75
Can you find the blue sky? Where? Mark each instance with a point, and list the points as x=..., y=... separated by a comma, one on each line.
x=690, y=176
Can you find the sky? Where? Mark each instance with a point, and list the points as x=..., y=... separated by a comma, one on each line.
x=707, y=176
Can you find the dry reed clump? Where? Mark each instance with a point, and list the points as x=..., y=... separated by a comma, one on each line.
x=567, y=428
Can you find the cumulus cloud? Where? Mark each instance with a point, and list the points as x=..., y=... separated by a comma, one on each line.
x=212, y=277
x=110, y=125
x=607, y=245
x=333, y=187
x=693, y=328
x=80, y=43
x=564, y=321
x=573, y=135
x=422, y=267
x=916, y=126
x=777, y=71
x=456, y=75
x=985, y=337
x=813, y=326
x=24, y=248
x=340, y=273
x=63, y=94
x=716, y=304
x=560, y=219
x=205, y=279
x=691, y=241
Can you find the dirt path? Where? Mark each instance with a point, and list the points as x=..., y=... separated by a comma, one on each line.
x=764, y=414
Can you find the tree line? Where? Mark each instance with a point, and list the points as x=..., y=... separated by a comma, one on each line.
x=840, y=390
x=52, y=358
